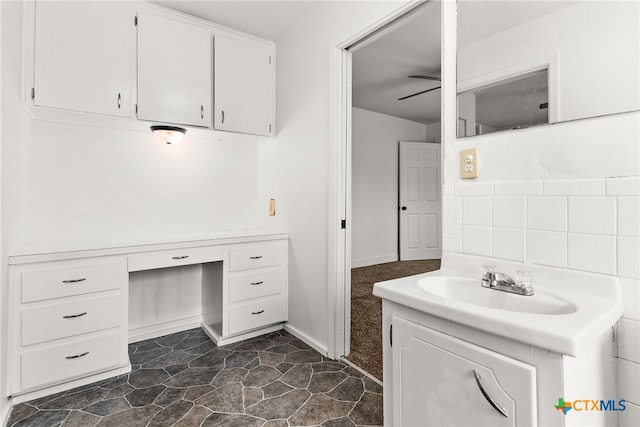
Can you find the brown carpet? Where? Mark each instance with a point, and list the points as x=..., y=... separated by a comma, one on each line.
x=366, y=309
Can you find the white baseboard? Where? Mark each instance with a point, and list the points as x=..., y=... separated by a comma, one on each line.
x=5, y=411
x=165, y=328
x=365, y=262
x=303, y=337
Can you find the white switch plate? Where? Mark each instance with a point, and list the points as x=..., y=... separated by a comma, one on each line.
x=469, y=169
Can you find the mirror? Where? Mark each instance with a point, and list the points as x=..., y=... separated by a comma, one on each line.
x=528, y=63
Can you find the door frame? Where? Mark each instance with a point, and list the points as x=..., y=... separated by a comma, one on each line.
x=339, y=186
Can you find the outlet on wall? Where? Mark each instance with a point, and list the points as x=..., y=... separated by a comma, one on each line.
x=468, y=164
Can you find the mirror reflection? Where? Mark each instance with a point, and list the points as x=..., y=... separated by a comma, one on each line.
x=527, y=63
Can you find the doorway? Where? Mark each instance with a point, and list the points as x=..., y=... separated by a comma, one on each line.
x=395, y=78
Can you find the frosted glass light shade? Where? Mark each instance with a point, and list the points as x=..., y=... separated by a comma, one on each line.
x=168, y=134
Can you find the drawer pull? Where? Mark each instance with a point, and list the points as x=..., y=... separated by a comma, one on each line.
x=257, y=312
x=257, y=283
x=255, y=257
x=76, y=356
x=73, y=316
x=180, y=257
x=492, y=402
x=82, y=279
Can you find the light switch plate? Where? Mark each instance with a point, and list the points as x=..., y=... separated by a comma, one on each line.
x=468, y=164
x=272, y=207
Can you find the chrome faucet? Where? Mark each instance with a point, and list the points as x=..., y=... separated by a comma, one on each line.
x=503, y=282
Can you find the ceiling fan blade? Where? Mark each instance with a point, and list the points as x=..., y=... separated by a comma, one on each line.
x=418, y=93
x=425, y=77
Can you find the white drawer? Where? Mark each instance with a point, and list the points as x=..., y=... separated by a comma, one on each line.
x=174, y=258
x=67, y=280
x=69, y=318
x=256, y=256
x=69, y=361
x=257, y=313
x=255, y=284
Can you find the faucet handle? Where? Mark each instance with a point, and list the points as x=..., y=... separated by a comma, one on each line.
x=523, y=278
x=489, y=268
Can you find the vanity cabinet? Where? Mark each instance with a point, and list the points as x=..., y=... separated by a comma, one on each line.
x=243, y=81
x=439, y=380
x=174, y=71
x=69, y=321
x=83, y=56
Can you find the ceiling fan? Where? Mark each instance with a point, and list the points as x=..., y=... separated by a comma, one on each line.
x=423, y=91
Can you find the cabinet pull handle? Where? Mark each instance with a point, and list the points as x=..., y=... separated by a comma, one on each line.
x=180, y=257
x=222, y=116
x=119, y=100
x=202, y=112
x=255, y=257
x=492, y=402
x=73, y=316
x=257, y=312
x=82, y=279
x=76, y=356
x=257, y=283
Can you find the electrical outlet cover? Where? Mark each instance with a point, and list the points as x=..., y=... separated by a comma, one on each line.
x=468, y=170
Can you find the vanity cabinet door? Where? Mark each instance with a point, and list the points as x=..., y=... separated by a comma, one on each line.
x=440, y=380
x=83, y=56
x=243, y=86
x=174, y=71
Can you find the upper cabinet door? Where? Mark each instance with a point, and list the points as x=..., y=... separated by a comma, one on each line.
x=174, y=71
x=243, y=86
x=83, y=56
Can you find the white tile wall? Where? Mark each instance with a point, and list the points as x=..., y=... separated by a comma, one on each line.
x=592, y=215
x=590, y=225
x=476, y=210
x=628, y=214
x=508, y=243
x=547, y=213
x=590, y=252
x=629, y=257
x=547, y=248
x=509, y=212
x=476, y=240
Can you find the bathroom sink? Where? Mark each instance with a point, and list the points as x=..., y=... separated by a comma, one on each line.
x=568, y=311
x=469, y=291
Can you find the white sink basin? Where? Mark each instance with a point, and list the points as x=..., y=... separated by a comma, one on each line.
x=568, y=311
x=470, y=291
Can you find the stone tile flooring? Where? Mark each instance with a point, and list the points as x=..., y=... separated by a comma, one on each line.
x=183, y=379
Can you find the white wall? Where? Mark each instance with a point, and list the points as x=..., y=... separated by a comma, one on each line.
x=374, y=184
x=3, y=341
x=295, y=164
x=595, y=44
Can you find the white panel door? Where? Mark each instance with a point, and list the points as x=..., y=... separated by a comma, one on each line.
x=439, y=380
x=420, y=201
x=243, y=86
x=83, y=56
x=174, y=71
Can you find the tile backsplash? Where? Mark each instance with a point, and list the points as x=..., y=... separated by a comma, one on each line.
x=589, y=224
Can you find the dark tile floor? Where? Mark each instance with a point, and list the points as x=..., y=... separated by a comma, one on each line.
x=183, y=379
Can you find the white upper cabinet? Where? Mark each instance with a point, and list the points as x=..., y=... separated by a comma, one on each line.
x=243, y=79
x=174, y=71
x=83, y=56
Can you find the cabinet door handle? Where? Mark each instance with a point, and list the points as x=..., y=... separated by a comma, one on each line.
x=76, y=356
x=202, y=112
x=82, y=279
x=257, y=283
x=222, y=116
x=492, y=402
x=255, y=257
x=257, y=312
x=119, y=100
x=73, y=316
x=180, y=257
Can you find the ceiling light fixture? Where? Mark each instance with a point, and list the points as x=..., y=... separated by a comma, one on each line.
x=168, y=134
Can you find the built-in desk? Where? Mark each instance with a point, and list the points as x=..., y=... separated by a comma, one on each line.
x=72, y=313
